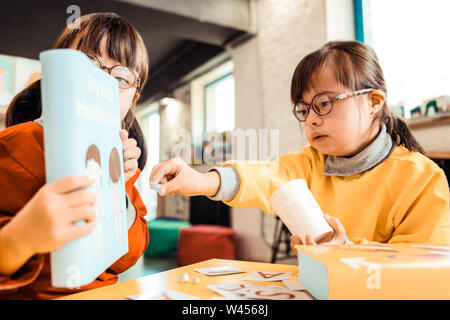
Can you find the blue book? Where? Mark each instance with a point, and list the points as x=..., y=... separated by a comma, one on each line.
x=81, y=113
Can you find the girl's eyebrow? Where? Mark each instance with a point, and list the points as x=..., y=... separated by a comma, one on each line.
x=322, y=92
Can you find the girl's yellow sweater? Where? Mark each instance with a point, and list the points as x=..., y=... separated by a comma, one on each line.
x=403, y=199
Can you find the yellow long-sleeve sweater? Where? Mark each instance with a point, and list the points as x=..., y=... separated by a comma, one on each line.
x=403, y=199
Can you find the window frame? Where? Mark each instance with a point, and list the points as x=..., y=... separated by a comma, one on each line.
x=205, y=87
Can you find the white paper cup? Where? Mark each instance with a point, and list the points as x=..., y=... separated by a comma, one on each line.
x=299, y=211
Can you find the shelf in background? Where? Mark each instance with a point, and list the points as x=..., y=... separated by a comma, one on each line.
x=440, y=120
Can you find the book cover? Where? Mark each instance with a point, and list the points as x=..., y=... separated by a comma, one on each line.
x=375, y=271
x=81, y=114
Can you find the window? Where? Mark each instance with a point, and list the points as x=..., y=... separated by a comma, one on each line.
x=410, y=38
x=149, y=120
x=219, y=104
x=212, y=105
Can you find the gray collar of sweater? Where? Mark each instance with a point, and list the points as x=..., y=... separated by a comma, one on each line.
x=375, y=153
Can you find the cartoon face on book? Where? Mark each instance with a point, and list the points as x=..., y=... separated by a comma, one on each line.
x=114, y=179
x=93, y=166
x=94, y=172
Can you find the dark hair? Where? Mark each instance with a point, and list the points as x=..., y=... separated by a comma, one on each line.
x=356, y=67
x=25, y=106
x=124, y=44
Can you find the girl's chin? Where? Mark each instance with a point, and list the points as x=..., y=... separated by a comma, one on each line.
x=329, y=150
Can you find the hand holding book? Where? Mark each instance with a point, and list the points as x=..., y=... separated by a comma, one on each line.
x=40, y=226
x=131, y=153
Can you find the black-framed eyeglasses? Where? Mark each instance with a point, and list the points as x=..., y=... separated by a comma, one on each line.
x=322, y=104
x=124, y=75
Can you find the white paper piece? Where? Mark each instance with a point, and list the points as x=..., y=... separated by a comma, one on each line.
x=267, y=276
x=293, y=285
x=246, y=291
x=276, y=293
x=299, y=211
x=233, y=290
x=216, y=271
x=184, y=277
x=163, y=295
x=196, y=280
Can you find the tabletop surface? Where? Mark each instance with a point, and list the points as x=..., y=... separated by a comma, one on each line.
x=170, y=279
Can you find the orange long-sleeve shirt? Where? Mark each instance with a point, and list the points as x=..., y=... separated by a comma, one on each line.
x=22, y=174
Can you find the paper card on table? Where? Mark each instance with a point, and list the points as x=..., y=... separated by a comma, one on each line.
x=163, y=295
x=267, y=276
x=216, y=271
x=234, y=287
x=275, y=293
x=233, y=290
x=294, y=285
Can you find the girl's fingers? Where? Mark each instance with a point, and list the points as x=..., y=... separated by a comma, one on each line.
x=165, y=169
x=168, y=188
x=129, y=144
x=132, y=153
x=82, y=213
x=79, y=230
x=337, y=226
x=152, y=173
x=79, y=198
x=69, y=184
x=164, y=180
x=295, y=240
x=130, y=167
x=309, y=240
x=123, y=135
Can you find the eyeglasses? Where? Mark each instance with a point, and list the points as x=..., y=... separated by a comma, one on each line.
x=125, y=76
x=322, y=104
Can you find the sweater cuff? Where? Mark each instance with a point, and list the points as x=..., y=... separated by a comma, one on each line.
x=229, y=183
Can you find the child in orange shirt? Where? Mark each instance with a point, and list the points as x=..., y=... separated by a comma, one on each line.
x=30, y=229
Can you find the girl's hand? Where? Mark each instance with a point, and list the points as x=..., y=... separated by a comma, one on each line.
x=337, y=237
x=131, y=154
x=46, y=221
x=177, y=177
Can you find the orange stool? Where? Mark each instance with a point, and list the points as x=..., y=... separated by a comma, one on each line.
x=202, y=242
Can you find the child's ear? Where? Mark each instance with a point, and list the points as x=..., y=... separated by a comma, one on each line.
x=377, y=99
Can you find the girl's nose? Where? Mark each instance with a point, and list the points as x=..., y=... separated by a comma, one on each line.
x=313, y=119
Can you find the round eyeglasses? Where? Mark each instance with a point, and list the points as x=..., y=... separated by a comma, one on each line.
x=322, y=104
x=125, y=76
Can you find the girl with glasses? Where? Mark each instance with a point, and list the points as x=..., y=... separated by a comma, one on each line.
x=362, y=164
x=35, y=217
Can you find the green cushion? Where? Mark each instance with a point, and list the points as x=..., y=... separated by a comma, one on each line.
x=163, y=236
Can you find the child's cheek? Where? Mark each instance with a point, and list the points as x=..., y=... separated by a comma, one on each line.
x=126, y=98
